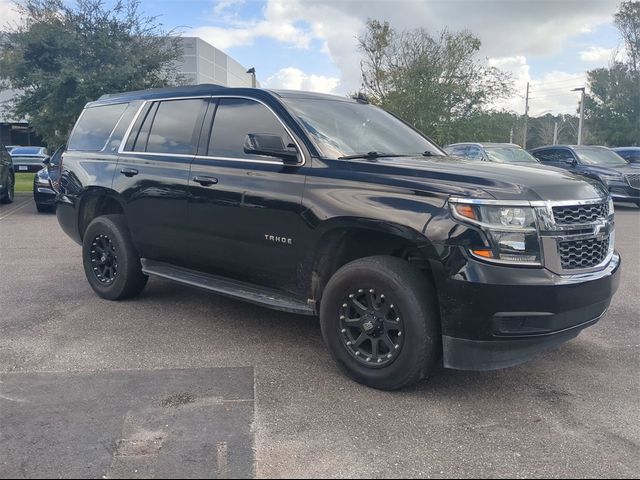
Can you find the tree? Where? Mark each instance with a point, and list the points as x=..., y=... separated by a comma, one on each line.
x=63, y=55
x=430, y=82
x=612, y=106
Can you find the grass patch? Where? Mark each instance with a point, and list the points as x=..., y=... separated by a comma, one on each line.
x=24, y=182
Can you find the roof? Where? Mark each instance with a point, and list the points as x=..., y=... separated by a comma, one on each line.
x=211, y=89
x=487, y=144
x=572, y=147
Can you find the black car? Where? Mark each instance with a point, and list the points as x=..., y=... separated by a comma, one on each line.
x=601, y=163
x=329, y=206
x=28, y=159
x=7, y=176
x=492, y=152
x=44, y=192
x=630, y=154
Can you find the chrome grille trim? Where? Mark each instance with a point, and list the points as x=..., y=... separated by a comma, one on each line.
x=633, y=179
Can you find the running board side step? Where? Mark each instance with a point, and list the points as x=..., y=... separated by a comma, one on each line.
x=227, y=287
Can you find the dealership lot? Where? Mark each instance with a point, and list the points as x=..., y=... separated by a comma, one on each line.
x=184, y=382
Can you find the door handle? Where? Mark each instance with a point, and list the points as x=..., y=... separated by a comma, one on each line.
x=205, y=181
x=129, y=172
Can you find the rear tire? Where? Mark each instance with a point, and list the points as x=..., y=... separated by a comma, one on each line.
x=111, y=263
x=9, y=194
x=401, y=330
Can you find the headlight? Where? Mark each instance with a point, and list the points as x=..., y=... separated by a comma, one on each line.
x=511, y=231
x=42, y=177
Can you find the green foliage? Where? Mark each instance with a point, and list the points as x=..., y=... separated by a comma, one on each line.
x=64, y=55
x=612, y=106
x=434, y=83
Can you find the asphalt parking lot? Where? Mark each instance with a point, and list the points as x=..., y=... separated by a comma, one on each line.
x=180, y=382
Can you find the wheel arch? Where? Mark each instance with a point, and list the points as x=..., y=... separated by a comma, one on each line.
x=342, y=240
x=97, y=201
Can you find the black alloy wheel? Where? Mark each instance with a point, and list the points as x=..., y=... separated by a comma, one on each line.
x=371, y=327
x=104, y=259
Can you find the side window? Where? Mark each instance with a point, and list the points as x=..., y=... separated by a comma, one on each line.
x=554, y=155
x=458, y=150
x=474, y=153
x=234, y=119
x=171, y=126
x=93, y=129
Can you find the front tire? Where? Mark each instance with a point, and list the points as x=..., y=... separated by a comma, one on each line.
x=111, y=264
x=380, y=322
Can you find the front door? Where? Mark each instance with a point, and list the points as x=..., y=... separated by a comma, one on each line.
x=245, y=210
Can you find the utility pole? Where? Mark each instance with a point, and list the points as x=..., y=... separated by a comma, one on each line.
x=581, y=122
x=511, y=135
x=526, y=118
x=555, y=133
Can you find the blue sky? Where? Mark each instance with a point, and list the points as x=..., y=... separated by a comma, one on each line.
x=311, y=44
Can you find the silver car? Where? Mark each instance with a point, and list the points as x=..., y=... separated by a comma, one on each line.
x=28, y=159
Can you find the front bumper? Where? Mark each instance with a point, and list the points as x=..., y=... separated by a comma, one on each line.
x=43, y=195
x=496, y=317
x=623, y=192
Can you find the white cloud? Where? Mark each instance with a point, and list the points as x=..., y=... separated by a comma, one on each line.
x=597, y=54
x=291, y=78
x=507, y=28
x=550, y=93
x=8, y=14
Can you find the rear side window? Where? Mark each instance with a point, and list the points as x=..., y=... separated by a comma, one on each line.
x=93, y=129
x=234, y=119
x=172, y=127
x=554, y=155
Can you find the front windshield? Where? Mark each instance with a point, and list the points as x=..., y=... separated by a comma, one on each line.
x=343, y=128
x=600, y=156
x=509, y=155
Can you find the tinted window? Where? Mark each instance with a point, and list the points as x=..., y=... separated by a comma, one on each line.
x=176, y=127
x=600, y=156
x=554, y=155
x=237, y=117
x=474, y=153
x=95, y=126
x=457, y=150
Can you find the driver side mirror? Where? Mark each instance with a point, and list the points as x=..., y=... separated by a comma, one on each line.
x=270, y=146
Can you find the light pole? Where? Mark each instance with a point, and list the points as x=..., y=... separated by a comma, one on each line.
x=580, y=123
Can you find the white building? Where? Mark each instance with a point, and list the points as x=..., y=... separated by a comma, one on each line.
x=203, y=63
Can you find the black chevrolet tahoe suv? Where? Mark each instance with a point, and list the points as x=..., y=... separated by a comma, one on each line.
x=329, y=206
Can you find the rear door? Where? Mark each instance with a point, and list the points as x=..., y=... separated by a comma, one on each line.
x=153, y=175
x=247, y=223
x=556, y=157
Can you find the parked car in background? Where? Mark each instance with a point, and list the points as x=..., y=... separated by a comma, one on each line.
x=7, y=176
x=10, y=147
x=28, y=159
x=44, y=192
x=630, y=154
x=601, y=163
x=491, y=152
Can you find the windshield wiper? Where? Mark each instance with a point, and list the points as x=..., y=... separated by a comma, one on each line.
x=369, y=155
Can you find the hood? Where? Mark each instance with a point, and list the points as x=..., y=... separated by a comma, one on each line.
x=612, y=171
x=500, y=181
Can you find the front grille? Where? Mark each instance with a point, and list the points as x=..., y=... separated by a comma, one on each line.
x=578, y=254
x=580, y=214
x=633, y=179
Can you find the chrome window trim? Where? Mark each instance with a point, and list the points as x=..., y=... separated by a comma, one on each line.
x=122, y=151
